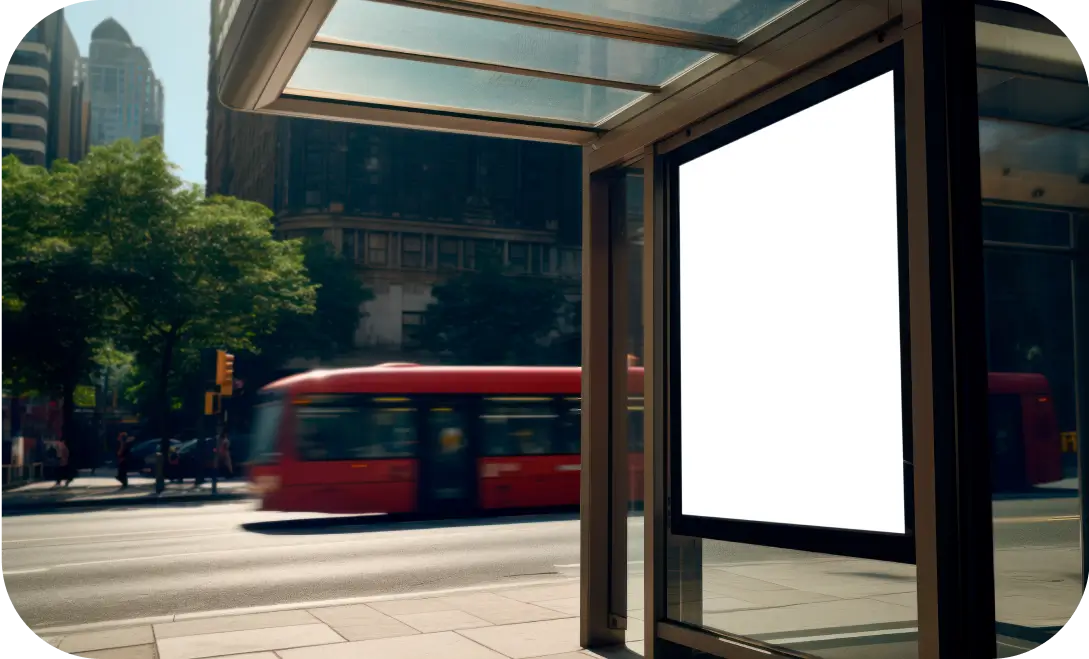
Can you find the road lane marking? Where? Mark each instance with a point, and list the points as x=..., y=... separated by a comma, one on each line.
x=112, y=535
x=28, y=571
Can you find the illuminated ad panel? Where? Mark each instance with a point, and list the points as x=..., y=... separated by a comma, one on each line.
x=790, y=322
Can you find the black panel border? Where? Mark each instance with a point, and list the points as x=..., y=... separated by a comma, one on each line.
x=899, y=548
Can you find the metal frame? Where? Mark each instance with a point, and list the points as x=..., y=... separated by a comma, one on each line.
x=862, y=544
x=598, y=26
x=322, y=42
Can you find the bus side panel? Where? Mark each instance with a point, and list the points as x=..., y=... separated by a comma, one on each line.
x=350, y=486
x=1043, y=446
x=529, y=481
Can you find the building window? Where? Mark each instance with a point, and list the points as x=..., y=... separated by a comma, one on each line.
x=570, y=264
x=348, y=244
x=377, y=248
x=412, y=251
x=448, y=254
x=411, y=324
x=518, y=257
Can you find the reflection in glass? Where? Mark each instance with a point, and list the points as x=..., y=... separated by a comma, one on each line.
x=725, y=18
x=1027, y=108
x=826, y=606
x=384, y=80
x=438, y=33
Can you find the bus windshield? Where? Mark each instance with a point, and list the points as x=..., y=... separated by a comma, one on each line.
x=266, y=425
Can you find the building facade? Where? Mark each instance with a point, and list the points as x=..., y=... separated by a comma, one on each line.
x=45, y=107
x=408, y=207
x=126, y=97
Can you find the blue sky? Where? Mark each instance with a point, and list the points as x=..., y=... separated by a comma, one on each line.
x=174, y=34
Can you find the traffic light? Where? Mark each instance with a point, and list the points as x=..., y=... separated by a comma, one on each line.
x=225, y=372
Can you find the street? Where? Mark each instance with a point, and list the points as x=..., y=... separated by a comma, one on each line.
x=78, y=567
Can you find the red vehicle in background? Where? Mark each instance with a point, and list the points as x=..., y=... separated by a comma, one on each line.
x=1024, y=431
x=401, y=438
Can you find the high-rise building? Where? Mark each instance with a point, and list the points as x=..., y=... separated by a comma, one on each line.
x=408, y=207
x=126, y=97
x=43, y=100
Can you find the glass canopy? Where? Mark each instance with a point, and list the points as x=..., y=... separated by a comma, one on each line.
x=568, y=63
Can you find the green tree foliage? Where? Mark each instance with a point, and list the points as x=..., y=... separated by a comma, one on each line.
x=329, y=331
x=189, y=272
x=489, y=317
x=54, y=311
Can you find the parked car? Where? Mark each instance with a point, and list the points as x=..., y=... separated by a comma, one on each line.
x=142, y=456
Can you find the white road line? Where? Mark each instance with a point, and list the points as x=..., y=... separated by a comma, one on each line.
x=117, y=624
x=29, y=571
x=112, y=535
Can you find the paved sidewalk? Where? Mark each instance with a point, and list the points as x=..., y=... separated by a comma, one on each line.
x=102, y=490
x=517, y=622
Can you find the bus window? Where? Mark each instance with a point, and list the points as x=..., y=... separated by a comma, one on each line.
x=569, y=435
x=354, y=428
x=266, y=430
x=518, y=426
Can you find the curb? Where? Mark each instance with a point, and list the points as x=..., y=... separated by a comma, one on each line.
x=295, y=606
x=149, y=500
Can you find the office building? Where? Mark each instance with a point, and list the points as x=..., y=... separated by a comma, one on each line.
x=45, y=109
x=126, y=97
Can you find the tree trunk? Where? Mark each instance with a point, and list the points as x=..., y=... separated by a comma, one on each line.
x=68, y=416
x=162, y=405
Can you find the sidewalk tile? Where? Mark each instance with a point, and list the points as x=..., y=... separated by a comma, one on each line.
x=444, y=645
x=52, y=640
x=617, y=652
x=374, y=629
x=255, y=655
x=538, y=594
x=203, y=646
x=131, y=652
x=442, y=621
x=532, y=639
x=571, y=605
x=233, y=624
x=636, y=614
x=565, y=655
x=114, y=638
x=500, y=610
x=821, y=615
x=846, y=579
x=910, y=600
x=720, y=604
x=403, y=607
x=765, y=598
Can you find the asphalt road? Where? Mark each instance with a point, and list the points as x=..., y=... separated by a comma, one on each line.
x=92, y=566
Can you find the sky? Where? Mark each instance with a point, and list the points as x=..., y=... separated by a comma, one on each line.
x=174, y=34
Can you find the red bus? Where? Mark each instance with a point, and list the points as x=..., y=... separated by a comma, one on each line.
x=401, y=438
x=1026, y=448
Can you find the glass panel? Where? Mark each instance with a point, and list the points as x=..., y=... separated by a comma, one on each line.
x=344, y=427
x=384, y=80
x=822, y=605
x=1032, y=226
x=438, y=33
x=725, y=18
x=1032, y=349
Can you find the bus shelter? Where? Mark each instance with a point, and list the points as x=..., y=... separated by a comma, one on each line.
x=840, y=193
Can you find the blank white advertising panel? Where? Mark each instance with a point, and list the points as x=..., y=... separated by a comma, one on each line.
x=791, y=385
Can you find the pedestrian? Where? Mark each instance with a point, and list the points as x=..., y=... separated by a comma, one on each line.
x=223, y=454
x=124, y=444
x=64, y=470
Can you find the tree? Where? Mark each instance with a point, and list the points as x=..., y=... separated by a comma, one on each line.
x=187, y=272
x=329, y=331
x=54, y=310
x=492, y=317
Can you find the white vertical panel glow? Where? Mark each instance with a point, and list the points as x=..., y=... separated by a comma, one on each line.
x=790, y=321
